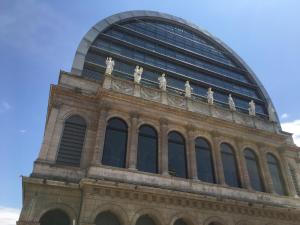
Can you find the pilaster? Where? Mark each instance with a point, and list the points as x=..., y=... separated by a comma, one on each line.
x=191, y=154
x=218, y=165
x=163, y=148
x=133, y=140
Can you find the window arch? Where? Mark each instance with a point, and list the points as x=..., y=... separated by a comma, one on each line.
x=147, y=149
x=56, y=216
x=253, y=170
x=230, y=166
x=145, y=220
x=205, y=167
x=107, y=218
x=276, y=174
x=115, y=144
x=177, y=155
x=72, y=140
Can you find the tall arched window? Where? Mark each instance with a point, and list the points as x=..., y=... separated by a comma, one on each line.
x=56, y=216
x=276, y=174
x=115, y=144
x=253, y=170
x=230, y=166
x=145, y=220
x=205, y=167
x=72, y=140
x=177, y=155
x=147, y=149
x=107, y=218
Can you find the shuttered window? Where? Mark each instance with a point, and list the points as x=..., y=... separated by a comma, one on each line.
x=72, y=141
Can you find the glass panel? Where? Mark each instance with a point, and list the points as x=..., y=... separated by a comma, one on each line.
x=276, y=175
x=147, y=150
x=253, y=170
x=177, y=155
x=230, y=166
x=114, y=153
x=204, y=160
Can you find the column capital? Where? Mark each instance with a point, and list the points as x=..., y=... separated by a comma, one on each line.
x=163, y=121
x=134, y=115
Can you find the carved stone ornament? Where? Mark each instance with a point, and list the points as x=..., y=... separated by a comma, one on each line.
x=122, y=86
x=138, y=74
x=109, y=65
x=188, y=89
x=231, y=103
x=210, y=96
x=162, y=82
x=251, y=108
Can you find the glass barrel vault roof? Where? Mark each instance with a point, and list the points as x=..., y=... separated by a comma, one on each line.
x=166, y=46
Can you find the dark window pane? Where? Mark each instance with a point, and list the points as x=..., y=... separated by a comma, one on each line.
x=276, y=175
x=204, y=160
x=180, y=222
x=55, y=217
x=253, y=170
x=72, y=141
x=114, y=153
x=177, y=155
x=145, y=220
x=107, y=218
x=147, y=150
x=230, y=166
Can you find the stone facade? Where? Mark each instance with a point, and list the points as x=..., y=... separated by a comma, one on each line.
x=86, y=191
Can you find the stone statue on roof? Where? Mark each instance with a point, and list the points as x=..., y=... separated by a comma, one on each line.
x=162, y=82
x=210, y=96
x=251, y=108
x=231, y=103
x=109, y=65
x=188, y=89
x=138, y=74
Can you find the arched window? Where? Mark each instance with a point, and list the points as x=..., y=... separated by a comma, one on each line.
x=276, y=174
x=180, y=222
x=177, y=155
x=230, y=166
x=55, y=217
x=115, y=144
x=147, y=149
x=107, y=218
x=205, y=168
x=253, y=170
x=72, y=140
x=145, y=220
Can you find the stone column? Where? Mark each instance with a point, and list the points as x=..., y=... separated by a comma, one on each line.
x=51, y=123
x=133, y=140
x=264, y=169
x=217, y=159
x=163, y=148
x=100, y=136
x=287, y=179
x=191, y=154
x=241, y=163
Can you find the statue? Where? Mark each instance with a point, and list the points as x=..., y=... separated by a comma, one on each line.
x=162, y=82
x=210, y=96
x=271, y=112
x=138, y=74
x=109, y=65
x=251, y=108
x=231, y=103
x=188, y=89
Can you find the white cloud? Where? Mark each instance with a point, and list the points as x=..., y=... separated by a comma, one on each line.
x=293, y=127
x=4, y=106
x=284, y=116
x=8, y=216
x=22, y=131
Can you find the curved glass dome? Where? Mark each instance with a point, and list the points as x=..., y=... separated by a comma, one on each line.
x=165, y=44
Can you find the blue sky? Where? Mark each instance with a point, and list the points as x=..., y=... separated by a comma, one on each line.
x=39, y=37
